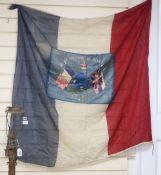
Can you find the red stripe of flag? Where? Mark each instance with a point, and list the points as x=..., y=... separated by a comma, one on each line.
x=128, y=117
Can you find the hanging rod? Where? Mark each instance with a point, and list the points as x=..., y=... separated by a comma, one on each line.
x=74, y=6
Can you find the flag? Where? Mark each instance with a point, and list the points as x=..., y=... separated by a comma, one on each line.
x=83, y=84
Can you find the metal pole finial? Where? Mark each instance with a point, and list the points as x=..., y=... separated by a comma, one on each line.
x=14, y=110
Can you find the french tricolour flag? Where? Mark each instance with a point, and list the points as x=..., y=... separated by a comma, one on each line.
x=83, y=84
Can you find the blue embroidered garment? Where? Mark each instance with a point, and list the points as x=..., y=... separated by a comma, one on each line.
x=81, y=78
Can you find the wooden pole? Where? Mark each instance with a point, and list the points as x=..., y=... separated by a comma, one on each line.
x=12, y=161
x=11, y=152
x=11, y=148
